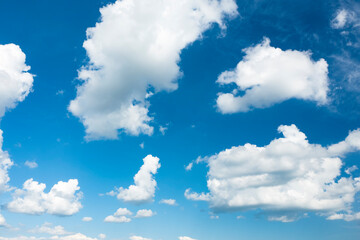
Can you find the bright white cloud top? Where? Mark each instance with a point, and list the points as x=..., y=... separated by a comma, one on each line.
x=288, y=176
x=269, y=75
x=144, y=186
x=63, y=198
x=15, y=81
x=137, y=46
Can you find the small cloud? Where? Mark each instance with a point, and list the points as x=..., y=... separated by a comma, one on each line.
x=144, y=213
x=189, y=166
x=31, y=164
x=60, y=92
x=142, y=145
x=87, y=219
x=214, y=217
x=138, y=238
x=102, y=236
x=240, y=217
x=171, y=202
x=163, y=129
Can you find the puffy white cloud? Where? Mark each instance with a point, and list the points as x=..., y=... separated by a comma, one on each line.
x=269, y=75
x=5, y=164
x=15, y=81
x=63, y=198
x=87, y=219
x=144, y=188
x=30, y=164
x=186, y=238
x=136, y=46
x=171, y=202
x=288, y=177
x=120, y=216
x=77, y=236
x=144, y=213
x=2, y=221
x=49, y=229
x=138, y=238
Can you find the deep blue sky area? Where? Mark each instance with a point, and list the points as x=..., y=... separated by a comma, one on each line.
x=41, y=129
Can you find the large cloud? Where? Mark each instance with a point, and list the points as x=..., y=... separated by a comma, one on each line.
x=144, y=188
x=269, y=75
x=15, y=81
x=63, y=198
x=137, y=46
x=286, y=177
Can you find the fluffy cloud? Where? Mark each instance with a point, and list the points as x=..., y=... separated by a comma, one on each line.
x=171, y=202
x=269, y=75
x=2, y=221
x=120, y=216
x=138, y=238
x=5, y=164
x=136, y=46
x=63, y=198
x=77, y=236
x=15, y=81
x=49, y=229
x=144, y=188
x=144, y=213
x=286, y=177
x=186, y=238
x=87, y=219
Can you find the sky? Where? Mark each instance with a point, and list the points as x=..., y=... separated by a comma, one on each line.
x=184, y=120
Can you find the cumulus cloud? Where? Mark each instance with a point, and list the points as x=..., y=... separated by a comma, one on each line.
x=49, y=229
x=120, y=216
x=62, y=199
x=15, y=81
x=268, y=75
x=5, y=164
x=144, y=213
x=144, y=186
x=186, y=238
x=77, y=236
x=138, y=238
x=287, y=177
x=136, y=46
x=171, y=202
x=87, y=219
x=2, y=221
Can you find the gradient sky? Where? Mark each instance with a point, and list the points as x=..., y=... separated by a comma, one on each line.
x=147, y=81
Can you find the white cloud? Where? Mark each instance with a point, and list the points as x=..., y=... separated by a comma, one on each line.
x=144, y=213
x=290, y=175
x=163, y=129
x=2, y=221
x=77, y=236
x=186, y=238
x=102, y=236
x=138, y=238
x=87, y=219
x=5, y=164
x=15, y=81
x=120, y=216
x=49, y=229
x=136, y=46
x=171, y=202
x=117, y=219
x=269, y=75
x=30, y=164
x=341, y=19
x=144, y=188
x=195, y=196
x=63, y=198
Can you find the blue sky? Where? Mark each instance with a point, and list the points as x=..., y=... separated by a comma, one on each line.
x=186, y=86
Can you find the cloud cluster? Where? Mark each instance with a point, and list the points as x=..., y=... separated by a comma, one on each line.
x=5, y=164
x=15, y=81
x=123, y=215
x=144, y=186
x=269, y=75
x=62, y=199
x=49, y=229
x=286, y=177
x=136, y=46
